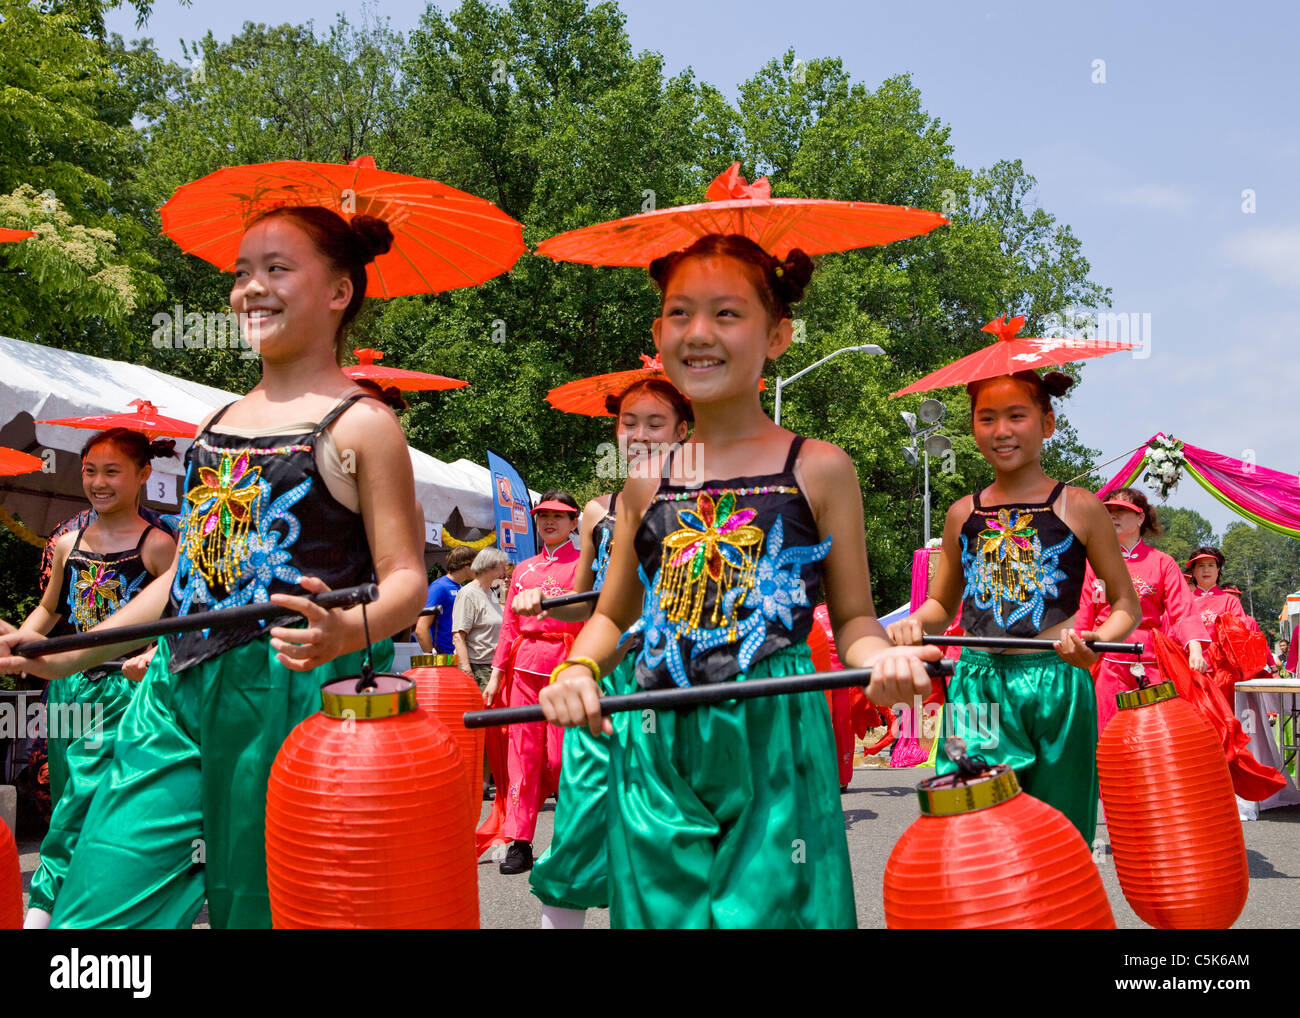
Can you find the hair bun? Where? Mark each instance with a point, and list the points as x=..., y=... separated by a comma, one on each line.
x=1057, y=383
x=162, y=448
x=373, y=235
x=793, y=272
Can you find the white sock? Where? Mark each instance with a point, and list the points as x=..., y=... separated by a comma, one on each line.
x=37, y=919
x=556, y=918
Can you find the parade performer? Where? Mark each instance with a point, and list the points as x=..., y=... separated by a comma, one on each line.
x=572, y=875
x=269, y=511
x=105, y=563
x=729, y=815
x=530, y=646
x=1166, y=603
x=1013, y=558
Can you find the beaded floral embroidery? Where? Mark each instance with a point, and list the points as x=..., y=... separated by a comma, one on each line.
x=715, y=546
x=223, y=509
x=1010, y=563
x=774, y=587
x=264, y=553
x=98, y=593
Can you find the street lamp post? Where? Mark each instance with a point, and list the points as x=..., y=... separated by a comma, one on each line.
x=781, y=383
x=931, y=413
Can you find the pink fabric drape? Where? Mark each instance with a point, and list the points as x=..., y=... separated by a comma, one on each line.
x=1267, y=497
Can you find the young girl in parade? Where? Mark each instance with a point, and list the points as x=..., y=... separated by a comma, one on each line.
x=1165, y=603
x=1013, y=558
x=729, y=815
x=272, y=509
x=529, y=647
x=96, y=570
x=572, y=876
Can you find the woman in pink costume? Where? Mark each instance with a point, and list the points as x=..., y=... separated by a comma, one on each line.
x=529, y=648
x=1166, y=603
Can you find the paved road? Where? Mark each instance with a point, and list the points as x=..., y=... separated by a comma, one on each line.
x=878, y=807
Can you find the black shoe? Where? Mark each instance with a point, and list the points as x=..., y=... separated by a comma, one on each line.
x=519, y=858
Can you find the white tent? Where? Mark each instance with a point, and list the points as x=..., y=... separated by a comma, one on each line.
x=40, y=382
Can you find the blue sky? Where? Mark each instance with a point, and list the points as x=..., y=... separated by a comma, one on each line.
x=1199, y=105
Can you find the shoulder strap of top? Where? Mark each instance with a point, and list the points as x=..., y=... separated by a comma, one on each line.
x=334, y=414
x=1060, y=487
x=139, y=547
x=77, y=543
x=667, y=470
x=613, y=501
x=219, y=414
x=976, y=496
x=793, y=454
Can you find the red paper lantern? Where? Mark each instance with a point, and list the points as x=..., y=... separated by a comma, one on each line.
x=365, y=817
x=1171, y=813
x=985, y=855
x=447, y=693
x=11, y=882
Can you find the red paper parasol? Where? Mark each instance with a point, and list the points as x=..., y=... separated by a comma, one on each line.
x=587, y=395
x=14, y=462
x=442, y=238
x=778, y=225
x=407, y=381
x=7, y=235
x=146, y=419
x=1011, y=354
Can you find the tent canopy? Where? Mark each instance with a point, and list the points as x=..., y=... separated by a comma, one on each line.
x=39, y=382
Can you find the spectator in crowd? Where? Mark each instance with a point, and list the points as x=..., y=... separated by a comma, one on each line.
x=442, y=595
x=476, y=616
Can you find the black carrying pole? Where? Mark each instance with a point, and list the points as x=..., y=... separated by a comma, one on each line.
x=346, y=597
x=696, y=696
x=547, y=603
x=1027, y=643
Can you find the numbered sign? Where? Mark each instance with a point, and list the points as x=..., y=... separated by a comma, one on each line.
x=432, y=534
x=161, y=488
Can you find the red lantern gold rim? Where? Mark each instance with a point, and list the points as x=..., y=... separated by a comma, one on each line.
x=433, y=661
x=394, y=695
x=944, y=796
x=1131, y=698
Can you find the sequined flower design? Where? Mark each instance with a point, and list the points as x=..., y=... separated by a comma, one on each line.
x=550, y=587
x=712, y=535
x=1143, y=588
x=1010, y=531
x=223, y=507
x=266, y=554
x=97, y=596
x=601, y=564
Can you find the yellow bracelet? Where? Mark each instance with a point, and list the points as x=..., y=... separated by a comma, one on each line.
x=586, y=662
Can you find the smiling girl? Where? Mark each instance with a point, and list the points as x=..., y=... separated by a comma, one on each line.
x=271, y=510
x=572, y=876
x=96, y=571
x=1014, y=557
x=729, y=815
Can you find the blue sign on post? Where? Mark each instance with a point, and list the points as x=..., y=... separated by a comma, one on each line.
x=512, y=509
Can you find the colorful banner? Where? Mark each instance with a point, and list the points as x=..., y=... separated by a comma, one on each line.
x=1266, y=497
x=512, y=509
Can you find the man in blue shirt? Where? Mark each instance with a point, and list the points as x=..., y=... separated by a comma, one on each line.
x=442, y=595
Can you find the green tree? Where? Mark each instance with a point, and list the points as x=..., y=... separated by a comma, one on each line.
x=67, y=171
x=1185, y=530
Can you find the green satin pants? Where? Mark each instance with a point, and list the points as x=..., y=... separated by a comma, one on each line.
x=82, y=716
x=1036, y=713
x=573, y=872
x=183, y=811
x=729, y=816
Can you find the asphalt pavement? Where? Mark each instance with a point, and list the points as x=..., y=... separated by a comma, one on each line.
x=878, y=807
